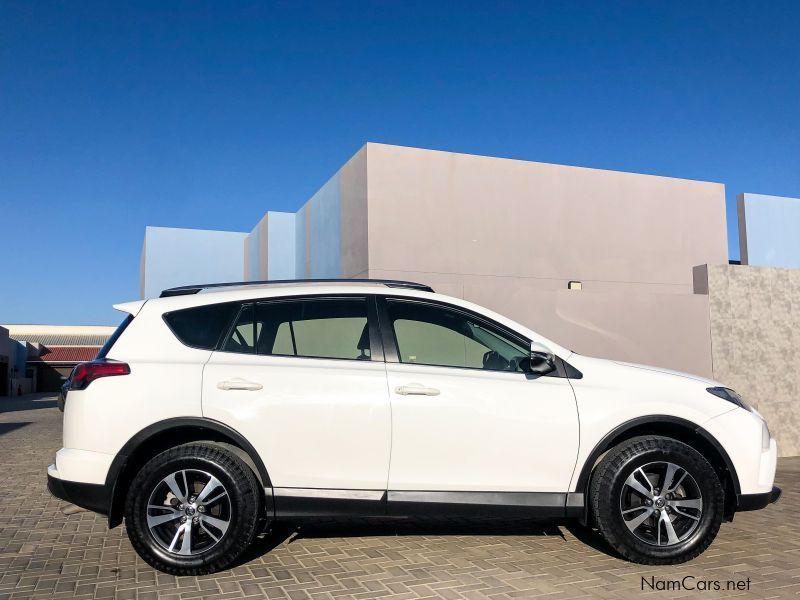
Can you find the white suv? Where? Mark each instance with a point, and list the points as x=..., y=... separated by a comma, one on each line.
x=214, y=410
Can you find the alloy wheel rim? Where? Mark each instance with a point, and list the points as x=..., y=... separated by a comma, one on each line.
x=188, y=512
x=661, y=503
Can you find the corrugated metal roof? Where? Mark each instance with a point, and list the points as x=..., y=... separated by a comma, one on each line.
x=61, y=339
x=66, y=354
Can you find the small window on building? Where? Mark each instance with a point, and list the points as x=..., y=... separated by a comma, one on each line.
x=201, y=326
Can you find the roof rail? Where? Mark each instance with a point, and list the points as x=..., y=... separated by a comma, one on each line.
x=186, y=290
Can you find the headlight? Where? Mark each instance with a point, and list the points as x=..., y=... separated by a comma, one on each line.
x=729, y=395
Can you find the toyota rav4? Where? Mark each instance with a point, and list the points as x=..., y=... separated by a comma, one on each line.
x=214, y=410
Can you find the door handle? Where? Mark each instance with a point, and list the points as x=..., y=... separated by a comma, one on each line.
x=239, y=384
x=416, y=389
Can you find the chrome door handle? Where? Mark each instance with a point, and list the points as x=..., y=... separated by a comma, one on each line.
x=239, y=384
x=416, y=389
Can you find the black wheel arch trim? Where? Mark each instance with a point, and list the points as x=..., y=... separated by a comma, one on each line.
x=134, y=444
x=607, y=441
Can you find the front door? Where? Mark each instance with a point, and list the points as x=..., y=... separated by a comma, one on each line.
x=467, y=421
x=304, y=381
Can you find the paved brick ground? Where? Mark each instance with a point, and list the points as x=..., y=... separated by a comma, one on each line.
x=45, y=553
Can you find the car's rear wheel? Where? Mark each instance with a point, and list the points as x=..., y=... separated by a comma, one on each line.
x=193, y=509
x=657, y=500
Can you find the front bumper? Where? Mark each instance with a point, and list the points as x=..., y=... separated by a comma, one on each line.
x=757, y=501
x=91, y=496
x=740, y=433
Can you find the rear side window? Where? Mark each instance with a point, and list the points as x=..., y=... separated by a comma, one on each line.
x=316, y=329
x=201, y=326
x=242, y=338
x=312, y=328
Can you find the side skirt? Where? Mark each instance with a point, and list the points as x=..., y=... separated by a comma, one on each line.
x=313, y=502
x=546, y=505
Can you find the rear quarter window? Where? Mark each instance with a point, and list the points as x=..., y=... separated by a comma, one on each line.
x=201, y=326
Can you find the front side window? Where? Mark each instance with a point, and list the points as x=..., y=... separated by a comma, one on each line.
x=312, y=328
x=433, y=335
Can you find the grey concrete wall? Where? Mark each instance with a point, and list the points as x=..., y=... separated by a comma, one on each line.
x=327, y=237
x=511, y=234
x=255, y=251
x=142, y=265
x=279, y=254
x=173, y=257
x=323, y=212
x=755, y=339
x=301, y=261
x=355, y=216
x=768, y=228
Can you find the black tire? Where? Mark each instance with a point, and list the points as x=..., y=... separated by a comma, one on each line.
x=610, y=494
x=239, y=506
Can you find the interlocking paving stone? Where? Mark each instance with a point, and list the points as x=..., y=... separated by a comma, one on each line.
x=46, y=554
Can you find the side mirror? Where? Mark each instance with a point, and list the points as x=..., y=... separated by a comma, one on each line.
x=543, y=361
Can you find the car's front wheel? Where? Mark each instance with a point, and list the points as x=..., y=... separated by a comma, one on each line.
x=657, y=500
x=192, y=509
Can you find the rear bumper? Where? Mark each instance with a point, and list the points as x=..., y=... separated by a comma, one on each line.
x=91, y=496
x=746, y=502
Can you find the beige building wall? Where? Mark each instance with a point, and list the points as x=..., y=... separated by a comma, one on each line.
x=755, y=339
x=511, y=234
x=667, y=330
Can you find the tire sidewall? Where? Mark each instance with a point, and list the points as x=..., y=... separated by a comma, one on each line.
x=242, y=511
x=707, y=481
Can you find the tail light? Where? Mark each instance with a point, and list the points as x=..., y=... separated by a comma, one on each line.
x=86, y=373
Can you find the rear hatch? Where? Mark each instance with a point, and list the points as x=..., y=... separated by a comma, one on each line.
x=84, y=373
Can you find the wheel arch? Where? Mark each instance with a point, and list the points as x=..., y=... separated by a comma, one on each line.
x=676, y=428
x=160, y=436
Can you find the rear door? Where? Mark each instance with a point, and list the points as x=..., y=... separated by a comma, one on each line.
x=303, y=380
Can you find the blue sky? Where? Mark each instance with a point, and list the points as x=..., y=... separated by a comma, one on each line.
x=114, y=115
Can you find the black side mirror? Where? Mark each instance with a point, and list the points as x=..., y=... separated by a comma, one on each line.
x=542, y=360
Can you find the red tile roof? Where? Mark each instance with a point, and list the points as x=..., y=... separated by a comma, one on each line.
x=66, y=354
